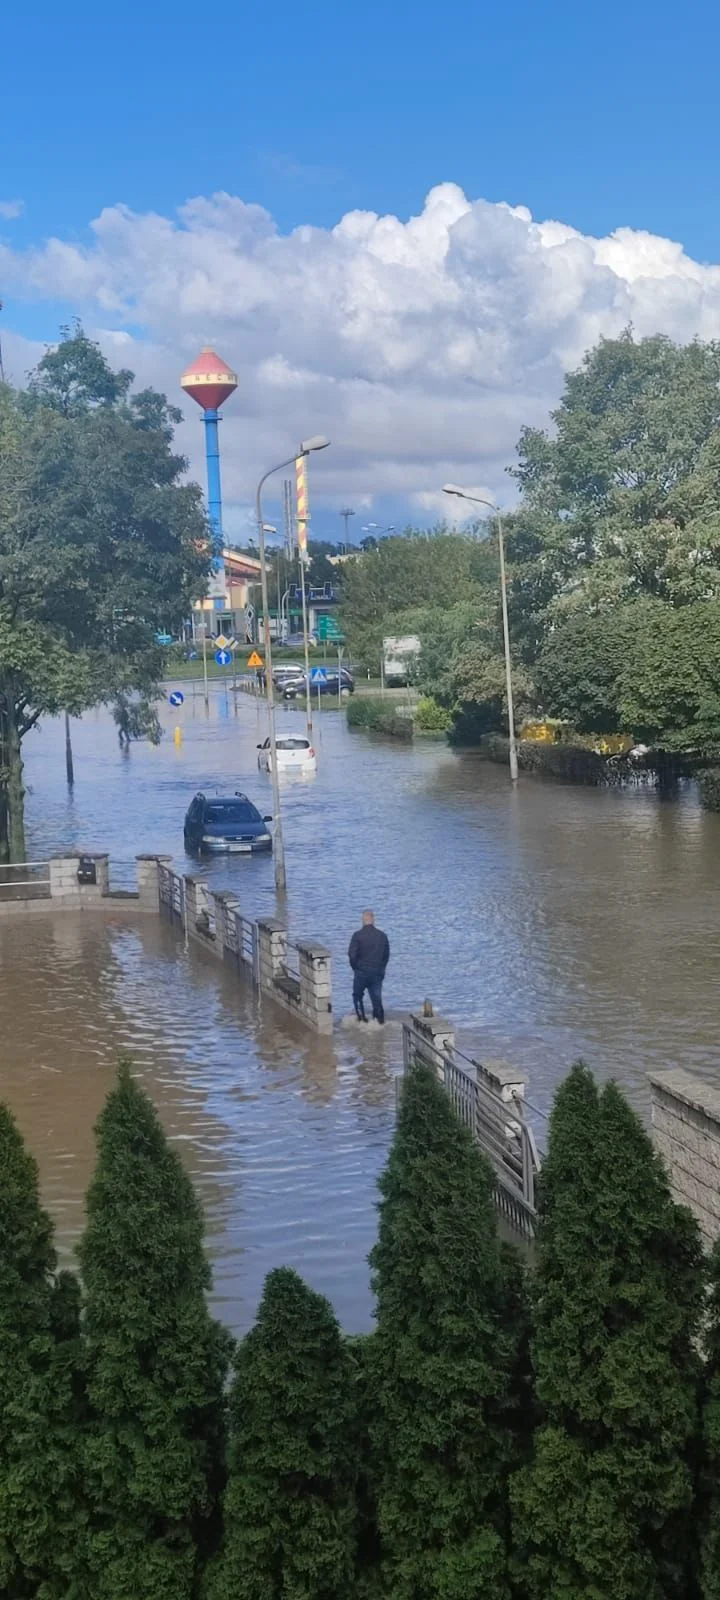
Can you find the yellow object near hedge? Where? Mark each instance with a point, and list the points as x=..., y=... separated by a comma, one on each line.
x=551, y=731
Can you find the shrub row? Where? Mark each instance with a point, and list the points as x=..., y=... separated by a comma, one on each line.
x=572, y=763
x=502, y=1435
x=377, y=715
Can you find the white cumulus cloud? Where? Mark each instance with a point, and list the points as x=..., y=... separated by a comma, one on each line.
x=420, y=347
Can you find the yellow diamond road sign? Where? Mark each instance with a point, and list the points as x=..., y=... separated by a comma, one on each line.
x=222, y=643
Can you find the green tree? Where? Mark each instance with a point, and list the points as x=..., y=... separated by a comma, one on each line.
x=40, y=1389
x=622, y=500
x=101, y=543
x=291, y=1520
x=603, y=1507
x=156, y=1366
x=649, y=669
x=447, y=1419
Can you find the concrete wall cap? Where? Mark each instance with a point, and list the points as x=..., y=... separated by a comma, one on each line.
x=689, y=1088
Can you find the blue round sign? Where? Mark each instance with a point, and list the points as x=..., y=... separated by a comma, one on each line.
x=177, y=698
x=223, y=658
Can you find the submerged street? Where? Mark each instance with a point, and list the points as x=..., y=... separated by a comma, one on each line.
x=550, y=924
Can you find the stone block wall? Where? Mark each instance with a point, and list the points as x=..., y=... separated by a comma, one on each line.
x=686, y=1131
x=65, y=884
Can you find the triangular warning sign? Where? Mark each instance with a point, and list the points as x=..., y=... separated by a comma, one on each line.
x=254, y=660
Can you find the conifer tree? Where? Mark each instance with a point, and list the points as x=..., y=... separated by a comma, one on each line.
x=604, y=1507
x=449, y=1315
x=710, y=1499
x=40, y=1388
x=290, y=1511
x=156, y=1365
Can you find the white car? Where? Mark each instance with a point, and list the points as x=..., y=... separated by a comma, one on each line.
x=294, y=754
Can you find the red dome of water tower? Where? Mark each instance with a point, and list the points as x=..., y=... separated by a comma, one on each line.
x=209, y=380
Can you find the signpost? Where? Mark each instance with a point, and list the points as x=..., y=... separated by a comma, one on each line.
x=177, y=697
x=318, y=675
x=328, y=630
x=255, y=660
x=223, y=658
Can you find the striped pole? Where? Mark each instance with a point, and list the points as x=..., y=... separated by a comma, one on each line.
x=302, y=505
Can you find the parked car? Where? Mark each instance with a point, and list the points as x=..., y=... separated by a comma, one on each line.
x=287, y=671
x=294, y=754
x=231, y=824
x=327, y=685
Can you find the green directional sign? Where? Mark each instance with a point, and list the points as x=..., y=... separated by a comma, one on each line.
x=328, y=630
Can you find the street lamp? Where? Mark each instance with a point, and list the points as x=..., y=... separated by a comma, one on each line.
x=480, y=500
x=317, y=442
x=346, y=514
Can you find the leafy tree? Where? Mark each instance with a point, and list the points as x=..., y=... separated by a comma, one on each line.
x=401, y=574
x=650, y=669
x=156, y=1366
x=100, y=542
x=622, y=501
x=603, y=1507
x=290, y=1511
x=40, y=1389
x=446, y=1360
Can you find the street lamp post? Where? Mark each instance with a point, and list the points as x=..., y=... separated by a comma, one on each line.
x=316, y=443
x=346, y=514
x=480, y=500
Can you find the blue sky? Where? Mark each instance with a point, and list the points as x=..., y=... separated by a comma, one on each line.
x=598, y=116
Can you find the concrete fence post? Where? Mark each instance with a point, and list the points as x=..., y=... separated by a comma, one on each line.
x=148, y=881
x=315, y=984
x=66, y=875
x=272, y=942
x=433, y=1038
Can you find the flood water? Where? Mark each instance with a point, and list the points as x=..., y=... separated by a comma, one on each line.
x=552, y=923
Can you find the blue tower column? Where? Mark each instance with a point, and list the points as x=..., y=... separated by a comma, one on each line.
x=212, y=457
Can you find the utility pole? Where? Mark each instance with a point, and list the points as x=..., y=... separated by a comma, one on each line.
x=346, y=514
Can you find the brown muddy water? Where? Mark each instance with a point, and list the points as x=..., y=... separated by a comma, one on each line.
x=550, y=924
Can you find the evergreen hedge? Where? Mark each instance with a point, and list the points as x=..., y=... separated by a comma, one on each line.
x=156, y=1365
x=485, y=1442
x=377, y=715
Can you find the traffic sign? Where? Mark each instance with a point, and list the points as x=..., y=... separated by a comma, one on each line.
x=223, y=658
x=318, y=675
x=254, y=660
x=327, y=628
x=222, y=643
x=177, y=698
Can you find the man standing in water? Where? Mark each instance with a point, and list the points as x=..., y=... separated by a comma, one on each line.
x=369, y=954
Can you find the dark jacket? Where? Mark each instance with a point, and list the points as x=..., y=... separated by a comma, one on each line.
x=369, y=950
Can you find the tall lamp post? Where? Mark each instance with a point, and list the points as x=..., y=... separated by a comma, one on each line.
x=318, y=442
x=346, y=514
x=479, y=500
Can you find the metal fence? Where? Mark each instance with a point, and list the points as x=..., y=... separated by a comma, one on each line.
x=172, y=893
x=26, y=880
x=499, y=1126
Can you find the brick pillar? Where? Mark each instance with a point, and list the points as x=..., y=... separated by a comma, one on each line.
x=148, y=881
x=686, y=1131
x=315, y=984
x=272, y=940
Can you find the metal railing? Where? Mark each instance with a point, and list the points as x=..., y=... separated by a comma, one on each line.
x=172, y=892
x=25, y=880
x=499, y=1126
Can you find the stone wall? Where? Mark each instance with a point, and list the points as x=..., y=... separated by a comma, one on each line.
x=686, y=1131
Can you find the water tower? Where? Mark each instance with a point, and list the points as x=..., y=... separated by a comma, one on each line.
x=210, y=382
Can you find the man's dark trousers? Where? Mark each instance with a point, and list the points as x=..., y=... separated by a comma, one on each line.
x=373, y=982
